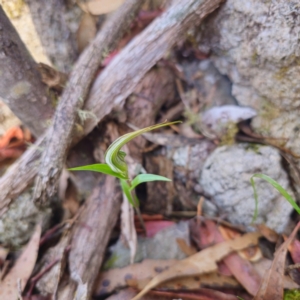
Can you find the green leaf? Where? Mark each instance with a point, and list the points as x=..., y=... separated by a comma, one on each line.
x=278, y=187
x=126, y=189
x=100, y=168
x=146, y=178
x=115, y=158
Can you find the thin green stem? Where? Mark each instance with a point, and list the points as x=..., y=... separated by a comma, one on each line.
x=137, y=209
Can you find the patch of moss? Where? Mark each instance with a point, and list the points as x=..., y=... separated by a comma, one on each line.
x=229, y=136
x=254, y=58
x=267, y=113
x=110, y=262
x=53, y=98
x=191, y=117
x=253, y=147
x=292, y=295
x=281, y=73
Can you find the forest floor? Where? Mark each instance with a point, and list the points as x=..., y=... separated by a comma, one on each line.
x=201, y=235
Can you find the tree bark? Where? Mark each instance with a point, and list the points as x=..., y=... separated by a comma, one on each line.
x=20, y=85
x=53, y=22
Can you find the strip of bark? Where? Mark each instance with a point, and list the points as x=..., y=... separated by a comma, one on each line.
x=91, y=235
x=59, y=135
x=116, y=82
x=21, y=87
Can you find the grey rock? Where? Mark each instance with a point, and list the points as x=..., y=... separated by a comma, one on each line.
x=188, y=161
x=255, y=43
x=162, y=246
x=191, y=157
x=210, y=83
x=18, y=223
x=226, y=178
x=218, y=119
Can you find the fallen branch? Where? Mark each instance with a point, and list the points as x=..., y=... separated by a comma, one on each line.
x=21, y=87
x=59, y=135
x=116, y=82
x=91, y=235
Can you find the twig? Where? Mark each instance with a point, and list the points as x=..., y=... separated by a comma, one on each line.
x=59, y=135
x=38, y=276
x=116, y=82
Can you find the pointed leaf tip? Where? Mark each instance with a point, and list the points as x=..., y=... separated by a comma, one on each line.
x=141, y=178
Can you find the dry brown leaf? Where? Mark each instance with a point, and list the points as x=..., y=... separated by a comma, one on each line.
x=185, y=248
x=148, y=268
x=13, y=143
x=12, y=133
x=213, y=280
x=272, y=285
x=86, y=31
x=99, y=7
x=264, y=266
x=138, y=275
x=294, y=249
x=200, y=294
x=202, y=262
x=251, y=253
x=241, y=268
x=271, y=235
x=22, y=270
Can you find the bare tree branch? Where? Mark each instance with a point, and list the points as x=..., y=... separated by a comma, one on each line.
x=59, y=136
x=117, y=81
x=21, y=87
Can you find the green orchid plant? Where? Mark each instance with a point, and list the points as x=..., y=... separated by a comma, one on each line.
x=116, y=165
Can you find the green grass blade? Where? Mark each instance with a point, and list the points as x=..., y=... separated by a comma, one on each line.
x=278, y=187
x=126, y=189
x=100, y=168
x=146, y=178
